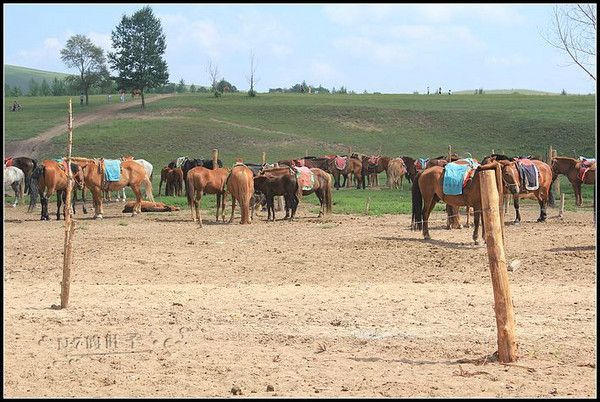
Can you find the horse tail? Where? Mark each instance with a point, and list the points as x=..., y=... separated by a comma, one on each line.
x=328, y=195
x=417, y=204
x=189, y=190
x=33, y=186
x=148, y=185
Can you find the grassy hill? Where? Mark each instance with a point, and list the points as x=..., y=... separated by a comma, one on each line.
x=20, y=76
x=292, y=125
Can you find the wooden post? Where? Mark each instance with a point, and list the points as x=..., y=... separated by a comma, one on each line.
x=215, y=158
x=557, y=182
x=449, y=153
x=505, y=322
x=493, y=152
x=264, y=157
x=69, y=224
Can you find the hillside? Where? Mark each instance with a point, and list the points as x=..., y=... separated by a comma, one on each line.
x=20, y=76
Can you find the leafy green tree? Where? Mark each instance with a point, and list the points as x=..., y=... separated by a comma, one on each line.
x=181, y=88
x=34, y=88
x=224, y=86
x=192, y=88
x=16, y=91
x=45, y=88
x=88, y=59
x=58, y=87
x=139, y=44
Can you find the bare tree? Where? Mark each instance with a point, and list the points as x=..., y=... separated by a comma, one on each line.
x=574, y=31
x=252, y=79
x=213, y=72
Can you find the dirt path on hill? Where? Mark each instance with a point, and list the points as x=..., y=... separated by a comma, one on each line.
x=31, y=146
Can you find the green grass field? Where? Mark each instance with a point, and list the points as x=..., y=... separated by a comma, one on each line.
x=292, y=125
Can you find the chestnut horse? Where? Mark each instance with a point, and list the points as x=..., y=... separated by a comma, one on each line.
x=240, y=184
x=200, y=181
x=133, y=175
x=353, y=168
x=571, y=168
x=427, y=190
x=322, y=189
x=396, y=171
x=49, y=177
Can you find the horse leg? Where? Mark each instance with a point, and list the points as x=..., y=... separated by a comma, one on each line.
x=543, y=201
x=321, y=196
x=427, y=208
x=137, y=207
x=223, y=203
x=477, y=218
x=83, y=199
x=468, y=224
x=578, y=197
x=198, y=206
x=233, y=209
x=59, y=200
x=97, y=200
x=516, y=204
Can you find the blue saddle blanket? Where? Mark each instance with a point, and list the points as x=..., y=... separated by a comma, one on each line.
x=112, y=169
x=455, y=173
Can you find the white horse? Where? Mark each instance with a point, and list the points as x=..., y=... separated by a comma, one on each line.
x=15, y=178
x=148, y=167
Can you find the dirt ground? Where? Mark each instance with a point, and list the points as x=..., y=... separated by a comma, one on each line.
x=340, y=307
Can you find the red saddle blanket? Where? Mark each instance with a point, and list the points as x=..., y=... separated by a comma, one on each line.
x=8, y=162
x=584, y=168
x=340, y=162
x=305, y=178
x=374, y=160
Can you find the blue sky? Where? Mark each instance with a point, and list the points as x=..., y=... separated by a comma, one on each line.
x=390, y=48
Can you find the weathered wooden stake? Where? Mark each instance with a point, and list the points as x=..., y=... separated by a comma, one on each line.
x=278, y=198
x=215, y=158
x=264, y=157
x=367, y=205
x=557, y=181
x=505, y=322
x=449, y=153
x=69, y=223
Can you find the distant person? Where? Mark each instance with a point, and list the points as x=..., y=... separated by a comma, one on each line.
x=109, y=97
x=122, y=97
x=449, y=92
x=14, y=106
x=81, y=99
x=440, y=91
x=427, y=90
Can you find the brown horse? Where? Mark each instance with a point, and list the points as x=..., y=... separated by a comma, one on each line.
x=322, y=189
x=572, y=168
x=164, y=174
x=200, y=181
x=395, y=172
x=427, y=190
x=27, y=165
x=50, y=177
x=173, y=179
x=376, y=165
x=132, y=174
x=240, y=184
x=511, y=176
x=278, y=181
x=352, y=170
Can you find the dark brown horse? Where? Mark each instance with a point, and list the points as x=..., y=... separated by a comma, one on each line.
x=512, y=179
x=200, y=181
x=374, y=165
x=278, y=181
x=572, y=169
x=27, y=165
x=50, y=177
x=427, y=190
x=352, y=168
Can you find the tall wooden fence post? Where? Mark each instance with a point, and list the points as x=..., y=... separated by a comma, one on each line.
x=278, y=199
x=65, y=285
x=264, y=157
x=215, y=158
x=552, y=196
x=557, y=182
x=505, y=322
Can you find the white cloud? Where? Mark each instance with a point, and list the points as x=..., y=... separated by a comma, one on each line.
x=102, y=40
x=50, y=49
x=387, y=53
x=461, y=36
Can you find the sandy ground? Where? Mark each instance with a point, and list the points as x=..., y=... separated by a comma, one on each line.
x=340, y=307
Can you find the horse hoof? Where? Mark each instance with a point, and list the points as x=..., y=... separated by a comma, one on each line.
x=477, y=242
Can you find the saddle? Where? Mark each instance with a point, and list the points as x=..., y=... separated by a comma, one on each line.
x=305, y=177
x=585, y=166
x=374, y=160
x=110, y=170
x=341, y=162
x=529, y=174
x=8, y=162
x=421, y=163
x=457, y=175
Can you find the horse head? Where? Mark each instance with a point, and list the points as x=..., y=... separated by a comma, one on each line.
x=510, y=176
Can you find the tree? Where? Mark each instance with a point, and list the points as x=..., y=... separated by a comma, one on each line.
x=213, y=72
x=88, y=59
x=45, y=88
x=252, y=79
x=574, y=31
x=139, y=44
x=181, y=88
x=192, y=88
x=224, y=86
x=34, y=88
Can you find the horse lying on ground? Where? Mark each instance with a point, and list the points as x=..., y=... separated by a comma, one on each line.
x=148, y=206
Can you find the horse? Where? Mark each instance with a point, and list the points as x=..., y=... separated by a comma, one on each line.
x=240, y=184
x=396, y=171
x=278, y=181
x=175, y=182
x=376, y=165
x=27, y=165
x=427, y=190
x=49, y=177
x=188, y=164
x=352, y=167
x=15, y=178
x=132, y=174
x=200, y=181
x=321, y=187
x=147, y=166
x=164, y=175
x=571, y=168
x=512, y=179
x=148, y=206
x=411, y=170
